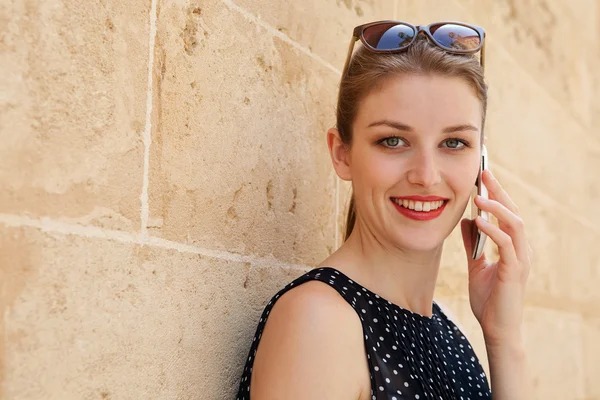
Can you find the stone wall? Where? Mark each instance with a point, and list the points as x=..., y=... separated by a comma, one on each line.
x=163, y=171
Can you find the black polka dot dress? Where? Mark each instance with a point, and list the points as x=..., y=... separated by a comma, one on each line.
x=410, y=356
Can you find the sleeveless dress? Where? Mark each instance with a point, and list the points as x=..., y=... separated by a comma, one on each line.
x=410, y=356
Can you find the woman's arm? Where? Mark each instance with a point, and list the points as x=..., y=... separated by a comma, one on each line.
x=311, y=348
x=508, y=370
x=497, y=291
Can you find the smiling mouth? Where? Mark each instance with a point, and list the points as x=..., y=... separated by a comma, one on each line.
x=420, y=206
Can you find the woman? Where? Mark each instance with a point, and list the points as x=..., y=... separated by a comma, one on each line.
x=363, y=325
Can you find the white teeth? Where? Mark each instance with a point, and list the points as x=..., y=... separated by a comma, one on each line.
x=424, y=206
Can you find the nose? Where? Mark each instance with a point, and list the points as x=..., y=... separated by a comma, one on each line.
x=423, y=170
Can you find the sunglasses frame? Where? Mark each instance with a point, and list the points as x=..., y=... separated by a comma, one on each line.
x=358, y=34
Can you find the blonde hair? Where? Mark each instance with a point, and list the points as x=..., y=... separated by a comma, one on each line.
x=367, y=70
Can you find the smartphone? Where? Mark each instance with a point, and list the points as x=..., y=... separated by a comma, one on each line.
x=478, y=238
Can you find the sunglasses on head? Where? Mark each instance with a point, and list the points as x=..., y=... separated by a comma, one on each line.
x=397, y=36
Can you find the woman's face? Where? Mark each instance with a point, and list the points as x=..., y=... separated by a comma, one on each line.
x=415, y=137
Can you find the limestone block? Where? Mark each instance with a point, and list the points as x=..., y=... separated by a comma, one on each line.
x=534, y=137
x=426, y=12
x=578, y=268
x=239, y=155
x=548, y=233
x=552, y=341
x=590, y=349
x=553, y=41
x=72, y=109
x=88, y=318
x=323, y=27
x=595, y=124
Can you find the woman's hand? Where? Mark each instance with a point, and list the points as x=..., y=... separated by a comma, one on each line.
x=497, y=289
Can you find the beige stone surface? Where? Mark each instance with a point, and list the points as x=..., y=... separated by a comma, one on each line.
x=595, y=124
x=242, y=194
x=565, y=268
x=251, y=96
x=94, y=319
x=524, y=123
x=72, y=110
x=590, y=350
x=426, y=12
x=327, y=36
x=553, y=344
x=554, y=42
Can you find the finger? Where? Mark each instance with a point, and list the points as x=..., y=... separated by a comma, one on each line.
x=503, y=240
x=509, y=222
x=497, y=192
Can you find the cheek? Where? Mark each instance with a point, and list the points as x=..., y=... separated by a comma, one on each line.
x=464, y=179
x=379, y=170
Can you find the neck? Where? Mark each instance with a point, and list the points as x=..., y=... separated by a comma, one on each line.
x=406, y=278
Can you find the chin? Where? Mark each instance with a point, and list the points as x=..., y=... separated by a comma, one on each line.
x=419, y=243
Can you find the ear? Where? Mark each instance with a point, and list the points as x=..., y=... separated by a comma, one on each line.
x=340, y=154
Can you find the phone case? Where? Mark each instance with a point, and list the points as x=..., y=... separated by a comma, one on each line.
x=478, y=236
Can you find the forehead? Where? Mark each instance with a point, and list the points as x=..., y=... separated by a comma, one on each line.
x=422, y=101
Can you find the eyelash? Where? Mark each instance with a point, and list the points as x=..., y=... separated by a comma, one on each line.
x=464, y=142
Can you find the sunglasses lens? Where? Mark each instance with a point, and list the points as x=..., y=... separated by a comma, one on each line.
x=388, y=36
x=456, y=37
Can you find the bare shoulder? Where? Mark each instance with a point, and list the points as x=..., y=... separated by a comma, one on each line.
x=311, y=347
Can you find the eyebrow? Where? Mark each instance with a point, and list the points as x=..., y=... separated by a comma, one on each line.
x=406, y=128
